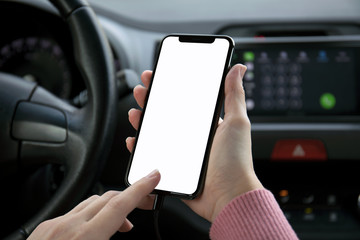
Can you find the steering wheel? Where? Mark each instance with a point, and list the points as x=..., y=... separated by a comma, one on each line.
x=39, y=128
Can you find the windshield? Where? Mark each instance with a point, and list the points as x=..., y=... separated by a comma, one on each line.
x=202, y=10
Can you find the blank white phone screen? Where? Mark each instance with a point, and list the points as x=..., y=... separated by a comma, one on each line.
x=179, y=112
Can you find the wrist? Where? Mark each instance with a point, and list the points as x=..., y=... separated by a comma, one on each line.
x=248, y=183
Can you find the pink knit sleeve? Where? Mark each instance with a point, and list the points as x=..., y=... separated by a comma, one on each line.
x=253, y=215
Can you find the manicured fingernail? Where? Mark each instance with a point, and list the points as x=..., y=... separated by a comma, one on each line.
x=153, y=174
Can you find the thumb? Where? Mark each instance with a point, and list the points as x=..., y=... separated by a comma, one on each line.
x=234, y=91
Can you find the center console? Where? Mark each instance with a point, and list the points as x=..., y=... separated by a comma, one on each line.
x=303, y=99
x=301, y=77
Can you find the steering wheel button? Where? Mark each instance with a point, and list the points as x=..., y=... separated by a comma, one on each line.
x=313, y=150
x=36, y=122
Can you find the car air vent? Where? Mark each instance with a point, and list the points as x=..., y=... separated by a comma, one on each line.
x=291, y=30
x=291, y=33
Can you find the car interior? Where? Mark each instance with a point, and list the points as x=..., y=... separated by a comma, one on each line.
x=68, y=68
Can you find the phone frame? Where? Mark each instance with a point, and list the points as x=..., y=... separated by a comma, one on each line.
x=196, y=38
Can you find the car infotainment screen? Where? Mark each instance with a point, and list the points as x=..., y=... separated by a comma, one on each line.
x=300, y=79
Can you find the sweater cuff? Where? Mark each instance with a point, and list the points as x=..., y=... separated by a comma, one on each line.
x=253, y=215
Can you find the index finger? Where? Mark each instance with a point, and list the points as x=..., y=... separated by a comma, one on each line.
x=146, y=78
x=114, y=213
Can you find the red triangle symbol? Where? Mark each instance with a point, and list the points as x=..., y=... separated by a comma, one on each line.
x=298, y=151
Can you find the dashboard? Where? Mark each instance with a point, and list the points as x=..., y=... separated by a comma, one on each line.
x=302, y=93
x=31, y=45
x=301, y=79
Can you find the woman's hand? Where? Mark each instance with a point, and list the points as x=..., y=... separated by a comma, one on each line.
x=99, y=217
x=230, y=170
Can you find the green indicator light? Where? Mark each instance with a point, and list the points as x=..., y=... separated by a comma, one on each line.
x=327, y=101
x=249, y=56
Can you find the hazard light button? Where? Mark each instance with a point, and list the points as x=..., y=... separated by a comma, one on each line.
x=302, y=150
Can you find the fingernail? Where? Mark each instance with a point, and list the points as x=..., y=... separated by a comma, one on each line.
x=153, y=174
x=243, y=70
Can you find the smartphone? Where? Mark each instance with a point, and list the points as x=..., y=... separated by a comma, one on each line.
x=181, y=113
